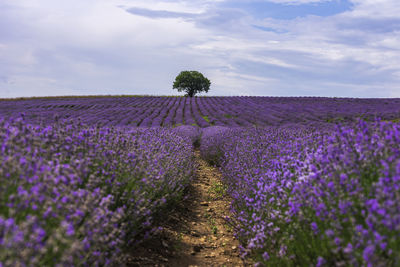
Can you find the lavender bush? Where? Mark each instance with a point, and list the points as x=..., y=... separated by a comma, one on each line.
x=211, y=142
x=77, y=195
x=305, y=198
x=304, y=192
x=191, y=133
x=152, y=111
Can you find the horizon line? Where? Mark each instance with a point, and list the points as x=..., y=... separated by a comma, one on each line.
x=149, y=95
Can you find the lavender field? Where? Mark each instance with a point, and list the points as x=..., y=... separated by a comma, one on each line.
x=150, y=111
x=313, y=181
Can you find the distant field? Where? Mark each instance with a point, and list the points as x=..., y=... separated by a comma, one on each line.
x=152, y=111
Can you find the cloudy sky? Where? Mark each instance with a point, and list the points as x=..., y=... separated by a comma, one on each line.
x=345, y=48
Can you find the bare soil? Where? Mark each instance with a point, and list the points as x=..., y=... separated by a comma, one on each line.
x=195, y=232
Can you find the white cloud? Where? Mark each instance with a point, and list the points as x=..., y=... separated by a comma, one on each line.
x=299, y=2
x=89, y=47
x=376, y=8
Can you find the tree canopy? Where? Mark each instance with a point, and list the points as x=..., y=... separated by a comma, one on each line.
x=192, y=82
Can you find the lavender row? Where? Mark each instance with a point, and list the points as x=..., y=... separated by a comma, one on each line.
x=306, y=197
x=73, y=194
x=148, y=111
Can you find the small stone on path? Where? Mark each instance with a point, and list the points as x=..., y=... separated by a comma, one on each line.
x=197, y=248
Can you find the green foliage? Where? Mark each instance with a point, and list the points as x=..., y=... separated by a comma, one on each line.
x=192, y=82
x=335, y=120
x=217, y=190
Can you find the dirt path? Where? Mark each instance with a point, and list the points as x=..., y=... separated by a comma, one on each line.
x=195, y=233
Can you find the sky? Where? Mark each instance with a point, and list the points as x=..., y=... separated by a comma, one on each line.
x=333, y=48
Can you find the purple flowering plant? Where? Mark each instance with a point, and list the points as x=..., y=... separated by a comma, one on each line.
x=316, y=197
x=71, y=194
x=80, y=187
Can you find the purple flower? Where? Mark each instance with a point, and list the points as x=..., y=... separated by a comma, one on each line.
x=314, y=227
x=9, y=223
x=320, y=262
x=41, y=233
x=64, y=199
x=265, y=256
x=368, y=252
x=18, y=237
x=329, y=233
x=69, y=228
x=348, y=249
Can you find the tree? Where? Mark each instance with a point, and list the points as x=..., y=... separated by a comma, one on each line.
x=192, y=82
